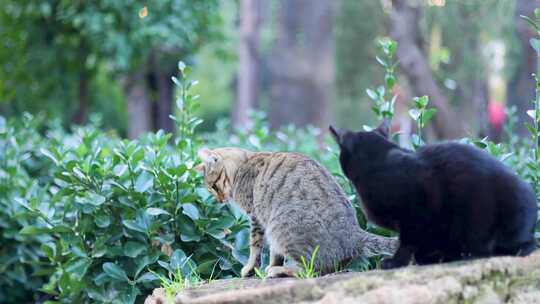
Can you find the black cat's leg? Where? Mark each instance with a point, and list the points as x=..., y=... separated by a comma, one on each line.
x=256, y=241
x=478, y=247
x=408, y=240
x=401, y=258
x=527, y=248
x=404, y=253
x=424, y=256
x=516, y=238
x=523, y=249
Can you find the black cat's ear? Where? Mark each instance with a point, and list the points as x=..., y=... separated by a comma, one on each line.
x=337, y=134
x=384, y=128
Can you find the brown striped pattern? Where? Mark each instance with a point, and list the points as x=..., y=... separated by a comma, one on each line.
x=295, y=204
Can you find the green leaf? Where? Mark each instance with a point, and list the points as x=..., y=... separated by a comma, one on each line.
x=115, y=272
x=134, y=225
x=101, y=279
x=532, y=114
x=421, y=102
x=64, y=281
x=176, y=81
x=207, y=267
x=188, y=230
x=389, y=80
x=141, y=222
x=415, y=114
x=2, y=125
x=254, y=140
x=381, y=91
x=179, y=103
x=216, y=232
x=181, y=65
x=129, y=295
x=95, y=199
x=380, y=61
x=147, y=277
x=531, y=128
x=165, y=238
x=480, y=144
x=120, y=169
x=428, y=114
x=367, y=128
x=78, y=267
x=417, y=141
x=146, y=260
x=50, y=155
x=99, y=249
x=531, y=22
x=156, y=211
x=144, y=182
x=372, y=94
x=178, y=259
x=137, y=156
x=191, y=210
x=535, y=43
x=102, y=220
x=134, y=249
x=33, y=230
x=49, y=249
x=78, y=250
x=392, y=47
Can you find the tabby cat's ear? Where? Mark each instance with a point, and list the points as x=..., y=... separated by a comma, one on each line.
x=207, y=156
x=384, y=128
x=337, y=134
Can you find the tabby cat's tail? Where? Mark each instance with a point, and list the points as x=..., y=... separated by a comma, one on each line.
x=369, y=244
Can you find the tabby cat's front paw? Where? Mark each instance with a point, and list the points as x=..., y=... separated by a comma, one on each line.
x=247, y=271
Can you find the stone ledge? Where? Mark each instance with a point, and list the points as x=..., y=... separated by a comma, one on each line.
x=494, y=280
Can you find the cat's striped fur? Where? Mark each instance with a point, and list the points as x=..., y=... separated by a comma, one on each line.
x=294, y=203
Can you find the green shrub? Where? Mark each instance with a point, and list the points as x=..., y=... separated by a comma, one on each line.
x=96, y=217
x=22, y=176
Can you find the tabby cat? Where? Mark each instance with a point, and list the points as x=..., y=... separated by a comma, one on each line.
x=295, y=204
x=449, y=201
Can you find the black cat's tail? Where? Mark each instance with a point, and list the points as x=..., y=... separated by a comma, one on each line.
x=369, y=244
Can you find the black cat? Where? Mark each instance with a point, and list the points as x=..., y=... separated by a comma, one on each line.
x=448, y=201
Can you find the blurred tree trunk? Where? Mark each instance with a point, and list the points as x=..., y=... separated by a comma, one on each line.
x=248, y=81
x=302, y=64
x=479, y=96
x=164, y=100
x=160, y=71
x=474, y=93
x=138, y=104
x=413, y=62
x=82, y=108
x=81, y=113
x=521, y=85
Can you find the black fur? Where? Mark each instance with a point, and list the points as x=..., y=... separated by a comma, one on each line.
x=448, y=201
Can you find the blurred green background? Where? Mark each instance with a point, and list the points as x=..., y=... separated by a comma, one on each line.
x=87, y=216
x=302, y=62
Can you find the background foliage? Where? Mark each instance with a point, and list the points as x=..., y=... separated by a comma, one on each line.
x=89, y=216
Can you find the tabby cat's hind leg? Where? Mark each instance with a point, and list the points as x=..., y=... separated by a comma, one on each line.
x=276, y=259
x=281, y=271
